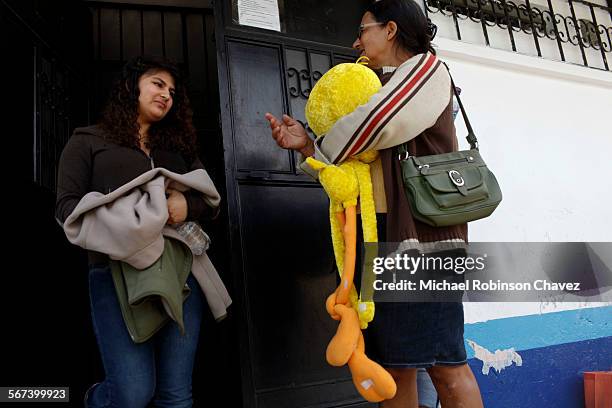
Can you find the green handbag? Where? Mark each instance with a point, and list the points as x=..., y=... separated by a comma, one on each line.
x=450, y=188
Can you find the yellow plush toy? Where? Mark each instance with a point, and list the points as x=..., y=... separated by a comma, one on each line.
x=340, y=91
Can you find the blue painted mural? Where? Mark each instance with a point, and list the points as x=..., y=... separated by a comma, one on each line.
x=538, y=360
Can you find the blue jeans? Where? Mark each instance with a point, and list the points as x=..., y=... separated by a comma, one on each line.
x=158, y=370
x=428, y=397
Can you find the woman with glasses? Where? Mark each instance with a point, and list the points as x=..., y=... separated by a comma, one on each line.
x=414, y=106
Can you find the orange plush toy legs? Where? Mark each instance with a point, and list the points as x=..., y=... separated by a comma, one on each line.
x=373, y=382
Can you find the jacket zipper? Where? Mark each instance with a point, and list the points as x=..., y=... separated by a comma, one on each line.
x=149, y=156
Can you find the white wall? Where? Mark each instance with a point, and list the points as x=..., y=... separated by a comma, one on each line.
x=545, y=129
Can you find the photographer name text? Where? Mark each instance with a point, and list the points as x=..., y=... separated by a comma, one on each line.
x=475, y=285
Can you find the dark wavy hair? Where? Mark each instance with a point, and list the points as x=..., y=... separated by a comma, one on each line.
x=414, y=30
x=175, y=132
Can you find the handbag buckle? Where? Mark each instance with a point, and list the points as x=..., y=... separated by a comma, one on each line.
x=456, y=178
x=403, y=156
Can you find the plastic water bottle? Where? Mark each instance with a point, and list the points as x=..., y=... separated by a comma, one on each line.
x=194, y=236
x=455, y=107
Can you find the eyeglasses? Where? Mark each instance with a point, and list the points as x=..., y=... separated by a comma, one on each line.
x=362, y=27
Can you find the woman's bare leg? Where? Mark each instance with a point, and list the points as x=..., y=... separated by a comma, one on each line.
x=456, y=386
x=406, y=396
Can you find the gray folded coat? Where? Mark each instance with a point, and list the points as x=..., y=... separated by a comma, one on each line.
x=129, y=225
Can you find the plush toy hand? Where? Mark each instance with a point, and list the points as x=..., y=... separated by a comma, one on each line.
x=373, y=382
x=366, y=312
x=340, y=182
x=368, y=156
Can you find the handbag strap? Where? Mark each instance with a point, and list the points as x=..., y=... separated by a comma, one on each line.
x=471, y=137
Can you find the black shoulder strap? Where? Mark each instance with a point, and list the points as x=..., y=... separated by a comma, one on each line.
x=471, y=137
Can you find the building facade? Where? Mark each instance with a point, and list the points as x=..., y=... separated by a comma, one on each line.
x=537, y=85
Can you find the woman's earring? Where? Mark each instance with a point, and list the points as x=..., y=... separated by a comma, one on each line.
x=432, y=29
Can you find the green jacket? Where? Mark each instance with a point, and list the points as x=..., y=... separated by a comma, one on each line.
x=150, y=297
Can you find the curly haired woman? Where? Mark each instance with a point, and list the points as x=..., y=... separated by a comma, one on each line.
x=147, y=124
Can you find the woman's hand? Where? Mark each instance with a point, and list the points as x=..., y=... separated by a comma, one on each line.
x=290, y=134
x=177, y=206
